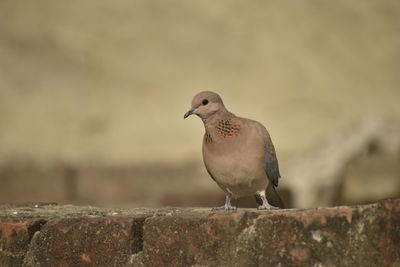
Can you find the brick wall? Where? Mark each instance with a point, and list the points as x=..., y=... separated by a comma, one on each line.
x=52, y=235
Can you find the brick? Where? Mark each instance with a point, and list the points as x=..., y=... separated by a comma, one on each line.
x=85, y=241
x=365, y=235
x=343, y=236
x=14, y=240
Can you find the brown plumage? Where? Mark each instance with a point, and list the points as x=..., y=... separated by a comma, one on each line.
x=238, y=153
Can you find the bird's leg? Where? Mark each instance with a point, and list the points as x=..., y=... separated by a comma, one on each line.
x=265, y=205
x=228, y=205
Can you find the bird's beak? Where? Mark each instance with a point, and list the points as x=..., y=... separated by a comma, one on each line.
x=187, y=114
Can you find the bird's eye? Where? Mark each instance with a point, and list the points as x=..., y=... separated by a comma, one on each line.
x=204, y=102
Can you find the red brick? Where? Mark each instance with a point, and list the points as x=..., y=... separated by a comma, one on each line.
x=344, y=236
x=100, y=241
x=14, y=240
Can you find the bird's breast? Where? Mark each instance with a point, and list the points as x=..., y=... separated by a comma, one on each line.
x=235, y=162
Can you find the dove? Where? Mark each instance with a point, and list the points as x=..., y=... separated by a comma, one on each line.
x=238, y=153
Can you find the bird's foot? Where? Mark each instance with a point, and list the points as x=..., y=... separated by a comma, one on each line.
x=267, y=207
x=225, y=207
x=230, y=207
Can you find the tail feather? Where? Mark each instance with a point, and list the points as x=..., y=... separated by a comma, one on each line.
x=273, y=198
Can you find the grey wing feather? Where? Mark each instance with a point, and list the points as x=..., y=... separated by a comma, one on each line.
x=271, y=162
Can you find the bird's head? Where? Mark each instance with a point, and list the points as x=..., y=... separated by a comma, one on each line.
x=205, y=104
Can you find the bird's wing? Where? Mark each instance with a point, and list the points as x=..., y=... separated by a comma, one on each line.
x=271, y=162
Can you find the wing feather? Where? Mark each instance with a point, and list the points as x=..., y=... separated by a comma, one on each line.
x=271, y=162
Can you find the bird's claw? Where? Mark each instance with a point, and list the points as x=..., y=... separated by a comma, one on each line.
x=225, y=207
x=267, y=207
x=230, y=208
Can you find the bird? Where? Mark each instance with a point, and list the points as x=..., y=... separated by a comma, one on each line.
x=238, y=153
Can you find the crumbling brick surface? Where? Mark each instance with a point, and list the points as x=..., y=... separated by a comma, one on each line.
x=367, y=235
x=15, y=237
x=85, y=242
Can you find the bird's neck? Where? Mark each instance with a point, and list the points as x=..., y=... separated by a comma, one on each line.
x=213, y=122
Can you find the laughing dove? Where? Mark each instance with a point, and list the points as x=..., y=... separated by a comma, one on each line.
x=238, y=153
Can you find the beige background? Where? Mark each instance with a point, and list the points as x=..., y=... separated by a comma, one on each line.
x=108, y=82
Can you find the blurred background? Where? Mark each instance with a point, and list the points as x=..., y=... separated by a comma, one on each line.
x=92, y=97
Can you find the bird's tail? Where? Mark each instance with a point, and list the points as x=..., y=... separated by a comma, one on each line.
x=272, y=196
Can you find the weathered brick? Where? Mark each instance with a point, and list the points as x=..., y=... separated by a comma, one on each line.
x=365, y=235
x=342, y=236
x=14, y=240
x=85, y=241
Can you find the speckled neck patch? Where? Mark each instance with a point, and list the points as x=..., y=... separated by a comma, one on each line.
x=226, y=128
x=208, y=137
